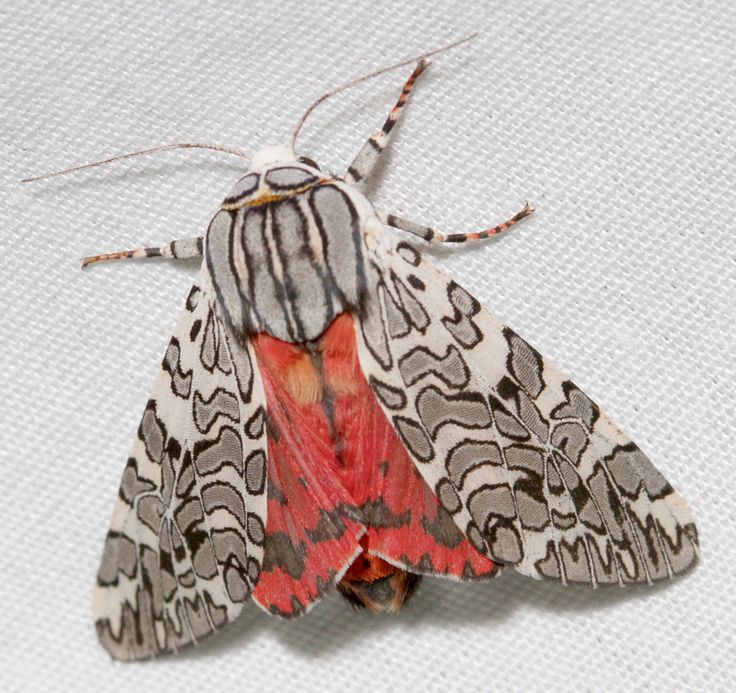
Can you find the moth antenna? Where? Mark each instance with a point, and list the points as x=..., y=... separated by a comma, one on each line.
x=163, y=148
x=364, y=78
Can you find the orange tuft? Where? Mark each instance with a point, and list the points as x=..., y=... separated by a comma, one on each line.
x=292, y=365
x=341, y=370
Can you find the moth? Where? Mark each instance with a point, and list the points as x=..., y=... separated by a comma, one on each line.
x=332, y=409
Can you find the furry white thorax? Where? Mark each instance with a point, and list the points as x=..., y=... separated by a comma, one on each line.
x=277, y=154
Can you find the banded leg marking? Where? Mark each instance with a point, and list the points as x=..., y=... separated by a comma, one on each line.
x=371, y=151
x=179, y=249
x=428, y=234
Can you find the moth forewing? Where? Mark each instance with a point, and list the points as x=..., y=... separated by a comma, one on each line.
x=186, y=539
x=532, y=471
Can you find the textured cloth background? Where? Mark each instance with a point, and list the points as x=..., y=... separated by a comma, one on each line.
x=615, y=119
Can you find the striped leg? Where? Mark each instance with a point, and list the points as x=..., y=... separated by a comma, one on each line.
x=371, y=151
x=180, y=249
x=431, y=236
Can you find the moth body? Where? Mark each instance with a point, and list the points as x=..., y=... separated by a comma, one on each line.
x=286, y=257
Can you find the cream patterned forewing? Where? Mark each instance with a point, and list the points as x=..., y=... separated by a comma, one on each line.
x=531, y=470
x=186, y=539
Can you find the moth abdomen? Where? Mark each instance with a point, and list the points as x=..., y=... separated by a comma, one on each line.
x=385, y=594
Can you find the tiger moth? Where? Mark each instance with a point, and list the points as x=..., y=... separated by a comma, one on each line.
x=333, y=410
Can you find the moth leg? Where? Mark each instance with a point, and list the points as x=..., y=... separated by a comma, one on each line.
x=371, y=151
x=179, y=249
x=428, y=234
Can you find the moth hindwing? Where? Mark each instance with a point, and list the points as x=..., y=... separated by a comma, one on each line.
x=334, y=410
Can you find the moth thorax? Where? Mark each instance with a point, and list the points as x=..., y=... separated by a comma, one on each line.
x=285, y=252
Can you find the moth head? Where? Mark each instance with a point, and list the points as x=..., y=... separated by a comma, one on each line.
x=273, y=156
x=279, y=156
x=274, y=173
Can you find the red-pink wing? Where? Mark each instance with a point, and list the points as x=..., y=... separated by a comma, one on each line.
x=406, y=524
x=312, y=532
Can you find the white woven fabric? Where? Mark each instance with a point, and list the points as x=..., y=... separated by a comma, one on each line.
x=615, y=119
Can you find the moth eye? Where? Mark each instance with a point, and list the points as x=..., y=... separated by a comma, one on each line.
x=309, y=162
